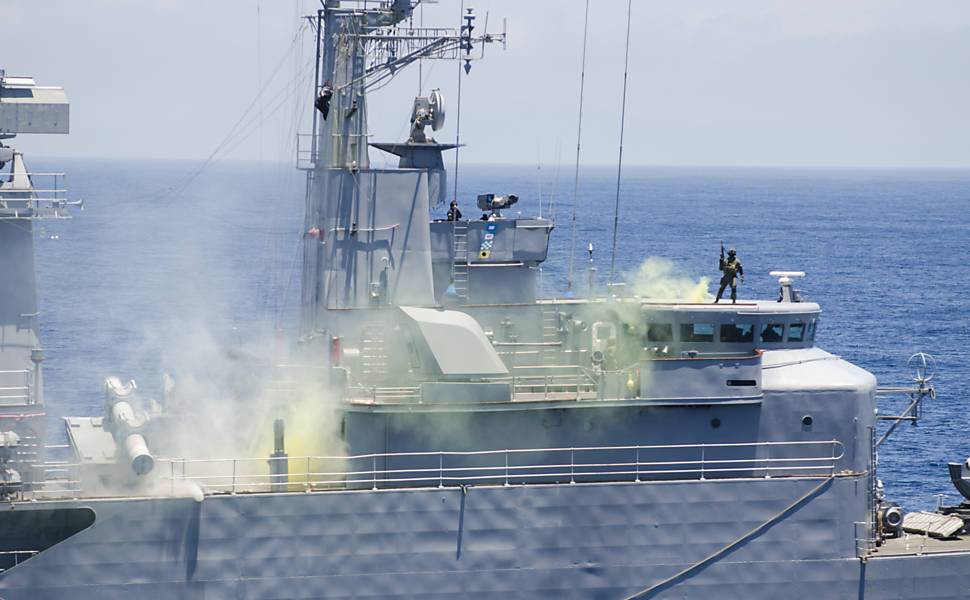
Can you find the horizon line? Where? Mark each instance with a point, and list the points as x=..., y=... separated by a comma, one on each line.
x=597, y=165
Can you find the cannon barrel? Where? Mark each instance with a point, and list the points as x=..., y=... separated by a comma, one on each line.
x=137, y=451
x=125, y=425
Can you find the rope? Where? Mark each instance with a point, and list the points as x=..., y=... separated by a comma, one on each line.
x=754, y=532
x=579, y=135
x=619, y=165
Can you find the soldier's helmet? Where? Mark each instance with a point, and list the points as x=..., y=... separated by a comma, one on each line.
x=731, y=252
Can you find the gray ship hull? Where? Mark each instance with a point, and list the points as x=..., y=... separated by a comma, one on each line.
x=582, y=540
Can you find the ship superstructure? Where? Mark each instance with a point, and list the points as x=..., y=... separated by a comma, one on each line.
x=493, y=444
x=25, y=197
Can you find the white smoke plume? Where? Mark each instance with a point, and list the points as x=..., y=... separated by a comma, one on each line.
x=660, y=279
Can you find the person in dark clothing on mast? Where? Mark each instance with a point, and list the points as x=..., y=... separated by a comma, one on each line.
x=322, y=103
x=453, y=213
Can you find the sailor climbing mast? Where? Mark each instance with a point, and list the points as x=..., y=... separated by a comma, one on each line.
x=342, y=73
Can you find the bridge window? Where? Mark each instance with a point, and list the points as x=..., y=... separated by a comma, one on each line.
x=697, y=332
x=810, y=334
x=660, y=332
x=773, y=332
x=737, y=332
x=796, y=332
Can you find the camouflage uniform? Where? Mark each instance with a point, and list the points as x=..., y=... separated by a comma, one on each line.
x=732, y=269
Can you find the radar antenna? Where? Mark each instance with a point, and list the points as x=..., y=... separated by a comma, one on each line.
x=426, y=111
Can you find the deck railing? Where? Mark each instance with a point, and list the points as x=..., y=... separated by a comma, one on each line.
x=15, y=386
x=556, y=382
x=178, y=476
x=47, y=198
x=508, y=467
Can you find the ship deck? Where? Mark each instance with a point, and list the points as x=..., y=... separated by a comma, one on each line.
x=910, y=544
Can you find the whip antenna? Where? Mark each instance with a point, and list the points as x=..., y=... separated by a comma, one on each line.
x=579, y=135
x=619, y=166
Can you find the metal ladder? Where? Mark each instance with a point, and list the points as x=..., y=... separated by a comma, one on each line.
x=550, y=335
x=459, y=266
x=373, y=354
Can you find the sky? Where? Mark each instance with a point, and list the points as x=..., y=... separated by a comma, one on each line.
x=830, y=83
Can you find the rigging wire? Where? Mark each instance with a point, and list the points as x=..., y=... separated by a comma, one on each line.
x=276, y=103
x=579, y=135
x=551, y=204
x=259, y=73
x=461, y=14
x=539, y=175
x=421, y=61
x=234, y=131
x=289, y=283
x=619, y=165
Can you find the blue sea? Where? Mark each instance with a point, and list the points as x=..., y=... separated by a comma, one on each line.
x=165, y=254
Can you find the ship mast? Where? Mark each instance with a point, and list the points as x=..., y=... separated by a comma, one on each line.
x=366, y=229
x=359, y=48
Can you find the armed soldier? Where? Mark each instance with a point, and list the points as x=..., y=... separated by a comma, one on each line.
x=732, y=271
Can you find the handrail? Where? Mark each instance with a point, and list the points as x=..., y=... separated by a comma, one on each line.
x=449, y=468
x=25, y=197
x=15, y=386
x=437, y=468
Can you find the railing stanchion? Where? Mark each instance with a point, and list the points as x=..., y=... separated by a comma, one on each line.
x=308, y=486
x=233, y=476
x=703, y=460
x=832, y=462
x=374, y=469
x=638, y=464
x=768, y=461
x=441, y=473
x=171, y=477
x=572, y=463
x=506, y=466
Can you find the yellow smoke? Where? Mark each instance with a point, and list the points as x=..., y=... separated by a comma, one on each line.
x=660, y=279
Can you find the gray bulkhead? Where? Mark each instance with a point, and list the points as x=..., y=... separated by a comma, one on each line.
x=508, y=274
x=18, y=295
x=550, y=541
x=810, y=394
x=370, y=249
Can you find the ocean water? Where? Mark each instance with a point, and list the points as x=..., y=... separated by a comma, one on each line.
x=159, y=265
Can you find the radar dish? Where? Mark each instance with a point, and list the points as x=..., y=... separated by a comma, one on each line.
x=437, y=110
x=921, y=367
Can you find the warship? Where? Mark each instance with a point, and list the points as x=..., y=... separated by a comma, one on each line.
x=476, y=440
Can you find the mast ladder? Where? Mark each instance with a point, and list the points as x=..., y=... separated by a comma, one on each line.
x=459, y=266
